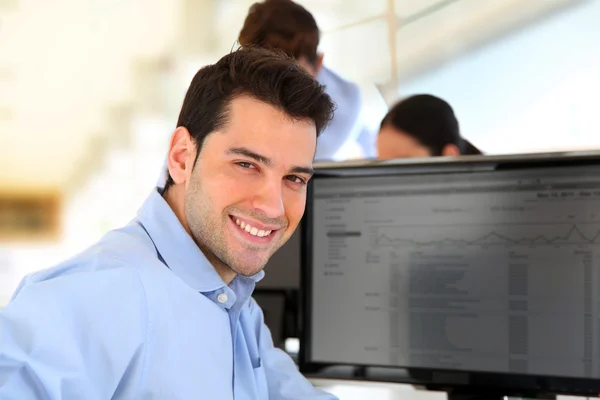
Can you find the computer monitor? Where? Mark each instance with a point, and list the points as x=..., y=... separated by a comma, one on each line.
x=471, y=275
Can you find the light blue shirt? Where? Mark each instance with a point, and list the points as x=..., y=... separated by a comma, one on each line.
x=346, y=125
x=142, y=314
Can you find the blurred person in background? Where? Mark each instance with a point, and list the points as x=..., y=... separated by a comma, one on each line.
x=162, y=307
x=469, y=149
x=286, y=26
x=422, y=126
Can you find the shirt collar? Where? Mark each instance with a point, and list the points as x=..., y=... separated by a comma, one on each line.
x=177, y=248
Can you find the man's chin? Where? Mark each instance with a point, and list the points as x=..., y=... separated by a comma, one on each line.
x=248, y=271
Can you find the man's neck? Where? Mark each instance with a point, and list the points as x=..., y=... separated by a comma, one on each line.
x=223, y=270
x=175, y=200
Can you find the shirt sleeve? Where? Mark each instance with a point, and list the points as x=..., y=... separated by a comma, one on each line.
x=72, y=337
x=284, y=380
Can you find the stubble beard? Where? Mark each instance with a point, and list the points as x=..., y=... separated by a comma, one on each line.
x=210, y=234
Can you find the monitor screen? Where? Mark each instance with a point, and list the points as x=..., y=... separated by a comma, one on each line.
x=477, y=269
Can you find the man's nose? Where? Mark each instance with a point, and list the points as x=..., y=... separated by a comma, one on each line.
x=269, y=199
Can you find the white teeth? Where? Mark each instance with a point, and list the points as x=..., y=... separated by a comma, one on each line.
x=252, y=230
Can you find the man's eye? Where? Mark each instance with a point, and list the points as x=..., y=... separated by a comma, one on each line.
x=296, y=179
x=245, y=164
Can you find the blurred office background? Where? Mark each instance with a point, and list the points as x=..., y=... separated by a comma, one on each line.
x=90, y=91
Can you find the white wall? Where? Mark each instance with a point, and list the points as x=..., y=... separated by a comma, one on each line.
x=535, y=90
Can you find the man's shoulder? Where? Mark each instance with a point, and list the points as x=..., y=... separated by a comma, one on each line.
x=114, y=261
x=87, y=319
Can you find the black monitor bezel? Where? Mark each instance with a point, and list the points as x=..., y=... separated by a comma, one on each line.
x=435, y=379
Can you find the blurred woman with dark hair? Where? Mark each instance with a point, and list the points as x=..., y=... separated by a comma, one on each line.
x=422, y=126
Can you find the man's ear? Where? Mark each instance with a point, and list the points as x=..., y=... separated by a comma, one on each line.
x=182, y=154
x=451, y=150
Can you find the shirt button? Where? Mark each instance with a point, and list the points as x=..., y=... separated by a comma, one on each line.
x=222, y=298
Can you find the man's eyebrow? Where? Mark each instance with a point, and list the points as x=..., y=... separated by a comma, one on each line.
x=242, y=151
x=303, y=170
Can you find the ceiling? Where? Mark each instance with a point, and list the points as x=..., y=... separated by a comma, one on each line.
x=73, y=73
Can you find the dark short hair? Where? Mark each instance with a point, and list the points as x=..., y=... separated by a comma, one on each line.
x=282, y=25
x=426, y=118
x=270, y=77
x=468, y=149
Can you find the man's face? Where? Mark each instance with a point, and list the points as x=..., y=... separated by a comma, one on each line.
x=247, y=191
x=393, y=143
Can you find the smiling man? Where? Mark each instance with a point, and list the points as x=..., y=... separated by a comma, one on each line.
x=161, y=308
